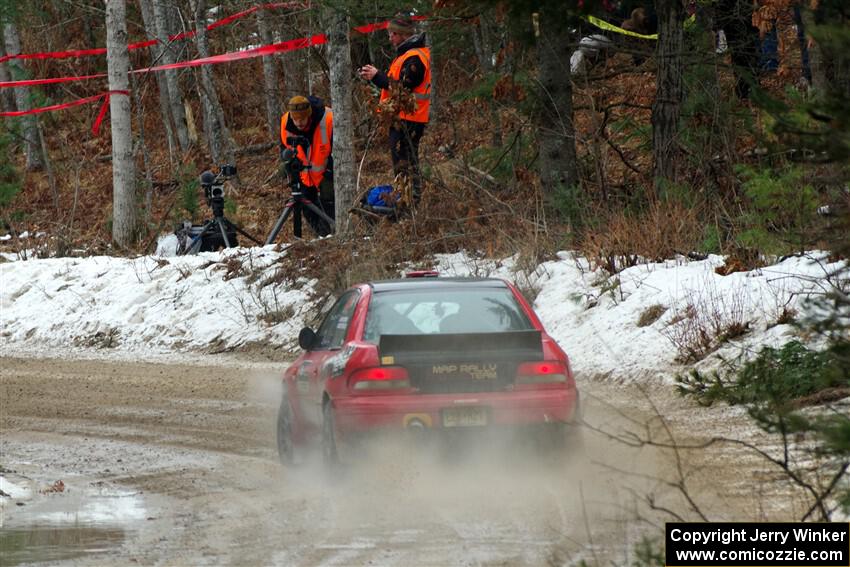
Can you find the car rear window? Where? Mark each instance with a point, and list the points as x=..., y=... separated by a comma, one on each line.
x=444, y=311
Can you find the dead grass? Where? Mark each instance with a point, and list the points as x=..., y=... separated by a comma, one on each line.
x=624, y=239
x=707, y=320
x=651, y=314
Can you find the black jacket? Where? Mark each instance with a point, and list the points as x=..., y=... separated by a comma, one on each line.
x=412, y=72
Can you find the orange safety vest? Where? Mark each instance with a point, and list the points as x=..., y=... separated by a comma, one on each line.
x=320, y=148
x=422, y=93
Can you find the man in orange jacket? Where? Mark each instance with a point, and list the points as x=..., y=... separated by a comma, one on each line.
x=307, y=129
x=411, y=67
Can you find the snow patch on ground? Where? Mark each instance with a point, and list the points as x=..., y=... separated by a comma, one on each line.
x=215, y=302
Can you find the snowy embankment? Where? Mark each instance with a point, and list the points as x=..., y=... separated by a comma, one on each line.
x=629, y=326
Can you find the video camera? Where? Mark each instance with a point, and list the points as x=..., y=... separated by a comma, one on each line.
x=289, y=156
x=213, y=185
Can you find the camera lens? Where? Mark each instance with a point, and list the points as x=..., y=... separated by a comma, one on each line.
x=217, y=191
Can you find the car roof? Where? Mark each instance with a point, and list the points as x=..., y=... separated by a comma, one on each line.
x=435, y=283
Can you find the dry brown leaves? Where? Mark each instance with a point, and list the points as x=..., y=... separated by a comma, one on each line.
x=400, y=100
x=54, y=488
x=506, y=90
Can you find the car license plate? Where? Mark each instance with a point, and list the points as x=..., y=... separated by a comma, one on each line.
x=464, y=417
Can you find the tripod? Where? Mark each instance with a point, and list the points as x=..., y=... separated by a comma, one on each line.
x=295, y=204
x=217, y=232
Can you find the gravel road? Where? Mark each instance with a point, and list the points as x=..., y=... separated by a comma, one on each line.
x=176, y=464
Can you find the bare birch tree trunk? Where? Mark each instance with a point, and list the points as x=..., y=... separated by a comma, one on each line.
x=123, y=167
x=339, y=57
x=162, y=84
x=220, y=141
x=271, y=80
x=7, y=97
x=668, y=90
x=556, y=132
x=29, y=124
x=175, y=95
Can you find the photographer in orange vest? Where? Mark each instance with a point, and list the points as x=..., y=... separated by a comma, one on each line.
x=307, y=129
x=411, y=67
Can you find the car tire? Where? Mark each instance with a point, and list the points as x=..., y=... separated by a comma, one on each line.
x=330, y=456
x=285, y=446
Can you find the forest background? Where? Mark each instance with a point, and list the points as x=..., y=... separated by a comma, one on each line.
x=670, y=146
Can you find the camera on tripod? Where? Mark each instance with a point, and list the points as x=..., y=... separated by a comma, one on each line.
x=213, y=186
x=301, y=198
x=218, y=232
x=289, y=156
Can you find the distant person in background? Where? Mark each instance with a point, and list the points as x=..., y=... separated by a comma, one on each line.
x=638, y=22
x=593, y=48
x=412, y=68
x=307, y=129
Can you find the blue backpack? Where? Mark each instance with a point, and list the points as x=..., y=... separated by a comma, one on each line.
x=381, y=196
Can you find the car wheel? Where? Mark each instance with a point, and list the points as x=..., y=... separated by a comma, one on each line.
x=329, y=450
x=285, y=448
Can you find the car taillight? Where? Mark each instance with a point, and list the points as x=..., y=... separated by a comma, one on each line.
x=545, y=372
x=380, y=378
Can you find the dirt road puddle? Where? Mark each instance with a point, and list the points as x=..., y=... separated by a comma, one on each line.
x=81, y=521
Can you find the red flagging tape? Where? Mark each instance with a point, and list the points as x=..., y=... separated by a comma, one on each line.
x=95, y=129
x=262, y=51
x=78, y=53
x=50, y=108
x=100, y=115
x=291, y=45
x=34, y=82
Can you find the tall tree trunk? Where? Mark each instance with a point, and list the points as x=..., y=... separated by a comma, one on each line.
x=668, y=90
x=339, y=57
x=735, y=18
x=294, y=63
x=271, y=81
x=162, y=84
x=146, y=158
x=816, y=59
x=175, y=96
x=436, y=99
x=556, y=132
x=484, y=42
x=7, y=96
x=220, y=142
x=29, y=124
x=123, y=167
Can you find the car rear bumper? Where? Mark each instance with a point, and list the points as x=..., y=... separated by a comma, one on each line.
x=359, y=414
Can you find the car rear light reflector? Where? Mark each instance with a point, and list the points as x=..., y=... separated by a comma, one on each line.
x=381, y=378
x=544, y=372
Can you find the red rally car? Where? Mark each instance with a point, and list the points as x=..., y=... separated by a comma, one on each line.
x=427, y=354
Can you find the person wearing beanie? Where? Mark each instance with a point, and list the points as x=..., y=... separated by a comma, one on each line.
x=307, y=129
x=412, y=68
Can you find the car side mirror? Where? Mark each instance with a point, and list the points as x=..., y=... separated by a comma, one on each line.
x=307, y=338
